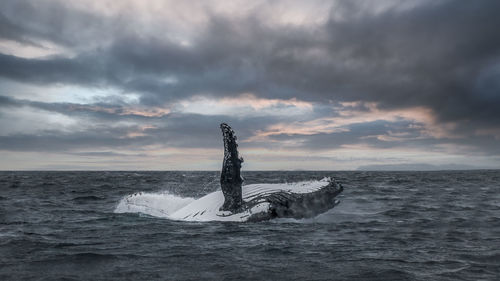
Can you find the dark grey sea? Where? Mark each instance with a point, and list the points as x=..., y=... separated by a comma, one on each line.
x=388, y=226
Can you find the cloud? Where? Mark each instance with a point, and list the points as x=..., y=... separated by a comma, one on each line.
x=310, y=76
x=244, y=105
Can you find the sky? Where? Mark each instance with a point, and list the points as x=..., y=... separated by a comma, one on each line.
x=306, y=85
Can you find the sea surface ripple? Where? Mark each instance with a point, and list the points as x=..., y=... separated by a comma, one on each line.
x=389, y=226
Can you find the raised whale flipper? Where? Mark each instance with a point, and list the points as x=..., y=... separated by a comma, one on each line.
x=230, y=178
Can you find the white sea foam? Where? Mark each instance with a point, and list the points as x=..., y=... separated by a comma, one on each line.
x=153, y=204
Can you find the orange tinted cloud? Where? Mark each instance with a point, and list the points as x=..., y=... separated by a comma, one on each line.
x=424, y=120
x=245, y=104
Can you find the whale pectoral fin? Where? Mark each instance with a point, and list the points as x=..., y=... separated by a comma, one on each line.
x=230, y=178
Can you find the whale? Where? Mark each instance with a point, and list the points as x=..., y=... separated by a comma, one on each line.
x=258, y=202
x=238, y=202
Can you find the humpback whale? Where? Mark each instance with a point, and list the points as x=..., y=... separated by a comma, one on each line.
x=258, y=202
x=238, y=202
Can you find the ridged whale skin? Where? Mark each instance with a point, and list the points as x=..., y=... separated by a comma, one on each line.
x=258, y=202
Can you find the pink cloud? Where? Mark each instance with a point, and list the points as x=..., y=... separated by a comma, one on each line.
x=422, y=118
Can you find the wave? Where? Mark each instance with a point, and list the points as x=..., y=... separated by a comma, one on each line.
x=153, y=204
x=89, y=198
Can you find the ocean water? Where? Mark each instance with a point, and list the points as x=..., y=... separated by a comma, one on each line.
x=388, y=226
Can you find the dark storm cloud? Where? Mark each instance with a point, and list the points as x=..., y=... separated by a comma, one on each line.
x=441, y=55
x=433, y=56
x=444, y=56
x=56, y=141
x=31, y=21
x=54, y=70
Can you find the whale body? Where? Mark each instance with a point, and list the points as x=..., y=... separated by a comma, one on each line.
x=266, y=201
x=238, y=202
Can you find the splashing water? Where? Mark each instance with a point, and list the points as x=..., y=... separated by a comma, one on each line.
x=153, y=204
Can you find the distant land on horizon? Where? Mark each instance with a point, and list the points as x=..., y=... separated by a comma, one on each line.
x=419, y=167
